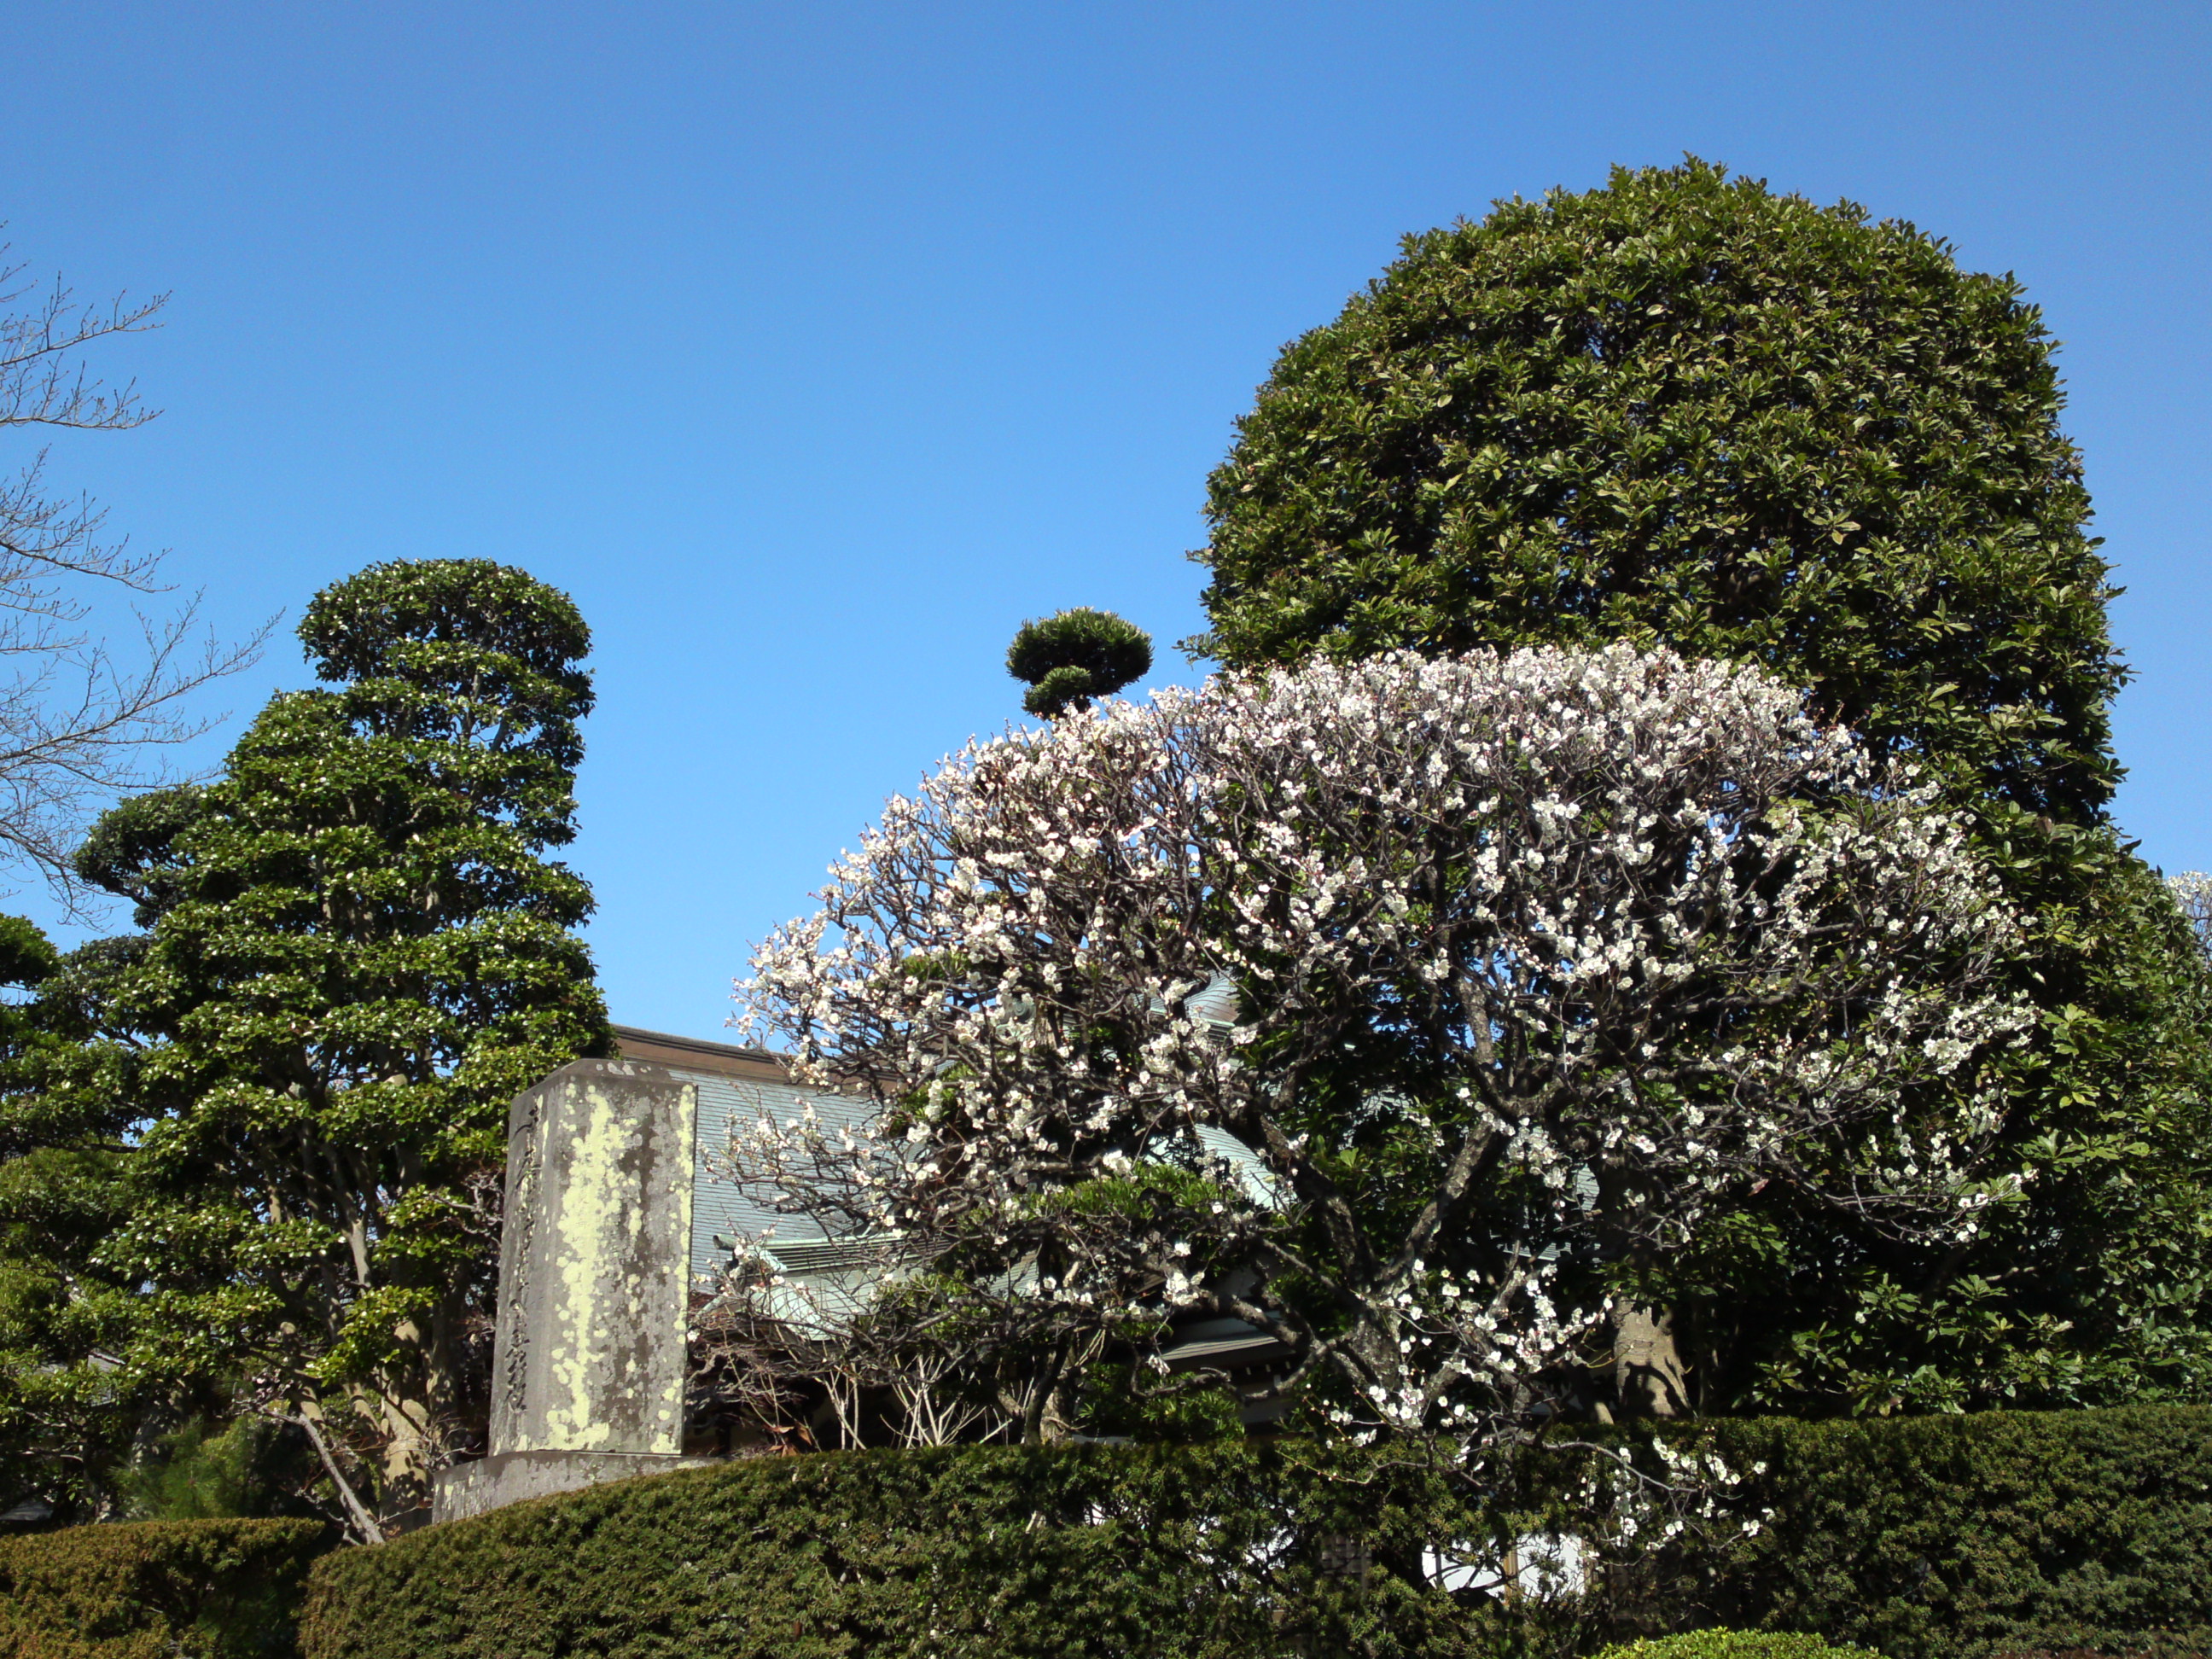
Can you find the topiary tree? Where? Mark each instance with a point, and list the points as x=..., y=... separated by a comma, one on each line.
x=1686, y=409
x=1071, y=657
x=357, y=954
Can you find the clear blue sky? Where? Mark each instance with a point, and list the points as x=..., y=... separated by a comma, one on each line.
x=814, y=347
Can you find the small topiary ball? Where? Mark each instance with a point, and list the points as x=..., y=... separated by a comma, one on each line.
x=1075, y=656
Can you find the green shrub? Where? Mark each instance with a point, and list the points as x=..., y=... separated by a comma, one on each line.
x=1719, y=1643
x=250, y=1469
x=1077, y=1552
x=1978, y=1536
x=1942, y=1538
x=195, y=1590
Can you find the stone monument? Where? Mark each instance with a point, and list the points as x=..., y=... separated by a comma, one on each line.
x=614, y=1211
x=621, y=1219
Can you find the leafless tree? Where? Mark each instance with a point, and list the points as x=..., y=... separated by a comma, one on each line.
x=76, y=719
x=795, y=1360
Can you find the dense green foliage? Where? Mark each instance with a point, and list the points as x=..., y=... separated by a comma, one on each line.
x=253, y=1467
x=1684, y=409
x=1719, y=1643
x=1988, y=1533
x=67, y=1416
x=1923, y=1539
x=264, y=1131
x=213, y=1589
x=1071, y=657
x=2096, y=1288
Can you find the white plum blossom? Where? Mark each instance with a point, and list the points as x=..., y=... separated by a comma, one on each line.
x=1502, y=968
x=2192, y=891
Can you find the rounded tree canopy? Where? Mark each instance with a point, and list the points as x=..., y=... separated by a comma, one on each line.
x=131, y=849
x=455, y=646
x=1683, y=409
x=1493, y=926
x=26, y=955
x=1073, y=656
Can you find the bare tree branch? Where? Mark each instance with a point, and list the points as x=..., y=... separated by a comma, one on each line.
x=76, y=721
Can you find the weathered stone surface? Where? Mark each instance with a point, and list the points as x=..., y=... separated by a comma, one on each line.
x=589, y=1356
x=494, y=1482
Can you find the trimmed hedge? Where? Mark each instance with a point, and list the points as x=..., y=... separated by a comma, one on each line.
x=1078, y=1552
x=209, y=1590
x=1718, y=1644
x=1948, y=1538
x=1997, y=1532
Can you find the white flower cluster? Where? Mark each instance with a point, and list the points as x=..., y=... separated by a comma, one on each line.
x=2192, y=891
x=1535, y=960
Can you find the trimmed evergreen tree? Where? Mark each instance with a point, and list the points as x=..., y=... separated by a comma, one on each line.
x=1071, y=658
x=357, y=954
x=1685, y=410
x=67, y=1416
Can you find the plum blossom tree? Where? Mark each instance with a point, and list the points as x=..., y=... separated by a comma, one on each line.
x=1522, y=964
x=2192, y=891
